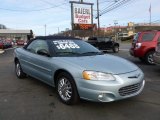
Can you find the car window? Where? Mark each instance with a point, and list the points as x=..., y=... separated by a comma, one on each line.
x=103, y=39
x=148, y=36
x=100, y=39
x=37, y=45
x=107, y=39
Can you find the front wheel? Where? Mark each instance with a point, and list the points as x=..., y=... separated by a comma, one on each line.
x=66, y=89
x=149, y=57
x=19, y=71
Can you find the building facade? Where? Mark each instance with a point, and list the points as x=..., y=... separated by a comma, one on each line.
x=15, y=35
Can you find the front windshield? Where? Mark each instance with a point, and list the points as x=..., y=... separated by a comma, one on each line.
x=74, y=48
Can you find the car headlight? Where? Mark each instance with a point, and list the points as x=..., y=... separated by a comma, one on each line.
x=93, y=75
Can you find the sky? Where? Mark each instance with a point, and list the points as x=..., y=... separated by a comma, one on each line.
x=56, y=14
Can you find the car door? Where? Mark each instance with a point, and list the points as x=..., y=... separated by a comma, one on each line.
x=36, y=65
x=108, y=43
x=104, y=43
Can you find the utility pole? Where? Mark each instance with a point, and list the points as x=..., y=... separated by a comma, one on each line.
x=150, y=14
x=115, y=22
x=45, y=28
x=81, y=1
x=58, y=30
x=98, y=16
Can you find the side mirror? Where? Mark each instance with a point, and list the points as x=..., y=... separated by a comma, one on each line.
x=43, y=52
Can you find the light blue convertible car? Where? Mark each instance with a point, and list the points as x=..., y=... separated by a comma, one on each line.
x=78, y=70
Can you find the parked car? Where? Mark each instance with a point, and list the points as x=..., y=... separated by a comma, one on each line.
x=104, y=43
x=156, y=56
x=1, y=44
x=78, y=70
x=20, y=42
x=144, y=44
x=7, y=44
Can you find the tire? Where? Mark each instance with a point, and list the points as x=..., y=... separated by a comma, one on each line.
x=116, y=49
x=149, y=58
x=19, y=71
x=66, y=89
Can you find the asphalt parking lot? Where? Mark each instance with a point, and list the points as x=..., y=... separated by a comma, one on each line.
x=30, y=99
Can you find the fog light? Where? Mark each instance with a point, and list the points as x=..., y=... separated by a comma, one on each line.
x=101, y=96
x=106, y=97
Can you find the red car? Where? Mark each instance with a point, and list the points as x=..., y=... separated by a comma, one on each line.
x=1, y=44
x=20, y=42
x=144, y=44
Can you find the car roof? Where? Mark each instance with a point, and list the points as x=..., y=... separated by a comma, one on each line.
x=55, y=38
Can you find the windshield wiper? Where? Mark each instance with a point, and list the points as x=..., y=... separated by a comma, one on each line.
x=97, y=53
x=73, y=53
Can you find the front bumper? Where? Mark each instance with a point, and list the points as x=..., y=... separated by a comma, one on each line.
x=131, y=52
x=107, y=91
x=137, y=52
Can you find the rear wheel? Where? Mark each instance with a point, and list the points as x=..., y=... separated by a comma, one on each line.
x=116, y=49
x=149, y=57
x=66, y=89
x=18, y=70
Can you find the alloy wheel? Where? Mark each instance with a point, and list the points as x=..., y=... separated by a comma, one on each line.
x=64, y=89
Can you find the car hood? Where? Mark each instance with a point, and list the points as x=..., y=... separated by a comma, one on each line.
x=103, y=63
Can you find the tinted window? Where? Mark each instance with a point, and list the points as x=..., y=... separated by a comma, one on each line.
x=37, y=45
x=103, y=39
x=100, y=39
x=73, y=47
x=148, y=36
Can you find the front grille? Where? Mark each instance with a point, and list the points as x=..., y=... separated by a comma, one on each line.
x=131, y=89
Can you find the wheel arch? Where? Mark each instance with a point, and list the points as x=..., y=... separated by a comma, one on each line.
x=151, y=49
x=15, y=59
x=116, y=44
x=57, y=72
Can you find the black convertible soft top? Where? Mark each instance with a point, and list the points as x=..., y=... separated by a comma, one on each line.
x=50, y=38
x=55, y=38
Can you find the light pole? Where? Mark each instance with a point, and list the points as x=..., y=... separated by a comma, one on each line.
x=104, y=30
x=58, y=30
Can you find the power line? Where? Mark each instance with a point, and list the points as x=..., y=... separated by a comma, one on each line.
x=49, y=3
x=156, y=21
x=108, y=1
x=112, y=7
x=107, y=7
x=22, y=10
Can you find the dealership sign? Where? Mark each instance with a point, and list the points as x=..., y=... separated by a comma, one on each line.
x=81, y=15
